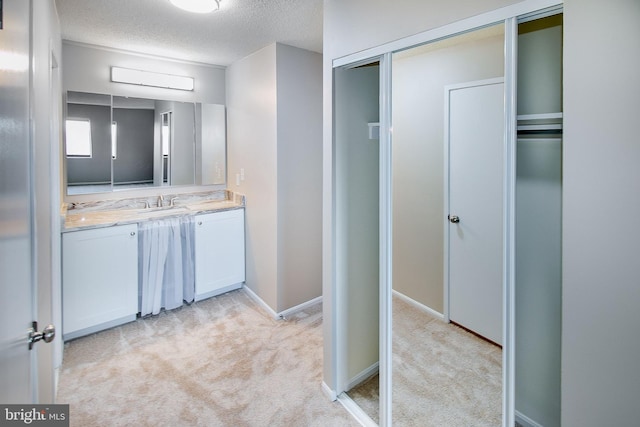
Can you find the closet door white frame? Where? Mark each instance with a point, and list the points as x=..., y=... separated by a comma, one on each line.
x=509, y=16
x=386, y=243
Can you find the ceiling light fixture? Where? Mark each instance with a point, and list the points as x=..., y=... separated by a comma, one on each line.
x=149, y=78
x=197, y=6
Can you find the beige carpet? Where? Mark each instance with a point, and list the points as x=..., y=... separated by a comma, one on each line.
x=218, y=362
x=442, y=375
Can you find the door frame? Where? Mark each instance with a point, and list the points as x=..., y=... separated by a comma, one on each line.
x=447, y=186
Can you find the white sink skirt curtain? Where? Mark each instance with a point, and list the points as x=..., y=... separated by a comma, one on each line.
x=167, y=265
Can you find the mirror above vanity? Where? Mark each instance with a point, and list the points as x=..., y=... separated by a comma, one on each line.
x=116, y=143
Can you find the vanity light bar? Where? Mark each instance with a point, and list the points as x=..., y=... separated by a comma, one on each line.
x=149, y=78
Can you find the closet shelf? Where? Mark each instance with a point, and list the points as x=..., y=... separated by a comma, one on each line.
x=374, y=130
x=540, y=122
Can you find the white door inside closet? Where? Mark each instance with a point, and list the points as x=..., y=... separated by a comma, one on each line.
x=475, y=137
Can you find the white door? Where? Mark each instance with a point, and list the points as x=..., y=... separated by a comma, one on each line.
x=16, y=278
x=475, y=135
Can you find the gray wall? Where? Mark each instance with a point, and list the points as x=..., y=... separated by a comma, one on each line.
x=97, y=168
x=540, y=66
x=134, y=162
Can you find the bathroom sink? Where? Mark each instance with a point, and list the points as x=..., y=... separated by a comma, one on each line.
x=162, y=211
x=162, y=208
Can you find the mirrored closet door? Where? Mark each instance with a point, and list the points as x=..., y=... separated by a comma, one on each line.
x=357, y=223
x=448, y=133
x=474, y=201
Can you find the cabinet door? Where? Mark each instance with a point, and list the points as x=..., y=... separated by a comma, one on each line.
x=219, y=247
x=100, y=279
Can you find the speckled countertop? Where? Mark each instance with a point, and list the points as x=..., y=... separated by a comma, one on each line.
x=107, y=213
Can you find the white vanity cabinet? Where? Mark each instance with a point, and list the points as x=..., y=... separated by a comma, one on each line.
x=219, y=252
x=100, y=279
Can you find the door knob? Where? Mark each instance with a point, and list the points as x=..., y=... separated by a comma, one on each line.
x=454, y=219
x=47, y=334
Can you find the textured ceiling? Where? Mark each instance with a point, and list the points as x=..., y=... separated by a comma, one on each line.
x=156, y=27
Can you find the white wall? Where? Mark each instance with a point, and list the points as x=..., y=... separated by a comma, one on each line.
x=183, y=151
x=88, y=69
x=419, y=78
x=252, y=146
x=211, y=143
x=299, y=95
x=274, y=135
x=601, y=202
x=354, y=25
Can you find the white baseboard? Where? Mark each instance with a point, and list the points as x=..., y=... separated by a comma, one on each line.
x=331, y=394
x=362, y=376
x=355, y=411
x=526, y=421
x=217, y=292
x=299, y=307
x=97, y=328
x=282, y=314
x=418, y=305
x=260, y=302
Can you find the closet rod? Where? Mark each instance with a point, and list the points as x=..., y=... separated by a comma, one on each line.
x=542, y=116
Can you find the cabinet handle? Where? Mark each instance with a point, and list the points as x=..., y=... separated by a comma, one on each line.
x=199, y=222
x=133, y=233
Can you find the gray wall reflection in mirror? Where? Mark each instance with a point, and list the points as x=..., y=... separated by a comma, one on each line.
x=126, y=147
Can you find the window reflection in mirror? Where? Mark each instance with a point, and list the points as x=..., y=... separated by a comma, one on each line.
x=91, y=171
x=78, y=138
x=114, y=140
